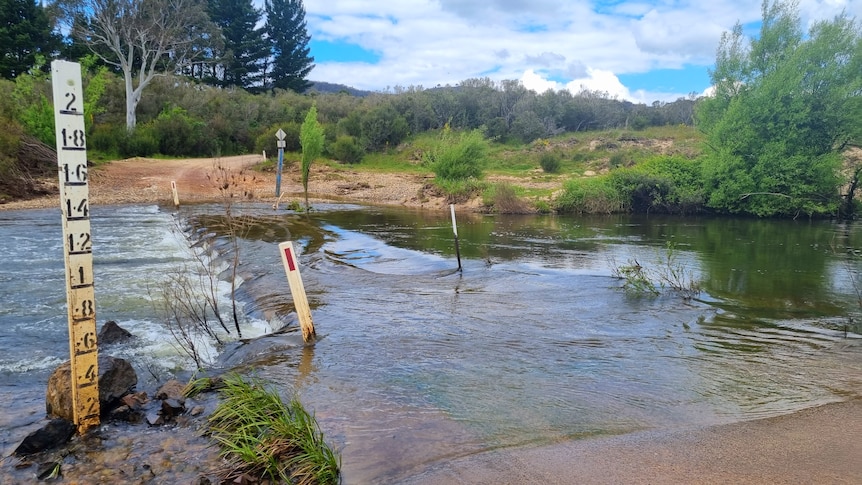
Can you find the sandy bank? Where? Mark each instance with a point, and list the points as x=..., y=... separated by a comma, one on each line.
x=820, y=445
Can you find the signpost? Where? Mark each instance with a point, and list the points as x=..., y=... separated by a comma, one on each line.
x=77, y=245
x=280, y=134
x=300, y=300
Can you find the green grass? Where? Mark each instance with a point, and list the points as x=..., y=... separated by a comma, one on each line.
x=263, y=437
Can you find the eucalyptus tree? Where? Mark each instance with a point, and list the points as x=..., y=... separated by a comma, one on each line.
x=288, y=37
x=786, y=105
x=141, y=38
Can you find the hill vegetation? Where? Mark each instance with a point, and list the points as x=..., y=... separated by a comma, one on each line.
x=780, y=138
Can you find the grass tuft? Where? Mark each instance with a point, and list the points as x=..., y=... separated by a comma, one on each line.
x=263, y=437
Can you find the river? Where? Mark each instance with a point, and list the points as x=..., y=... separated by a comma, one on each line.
x=535, y=341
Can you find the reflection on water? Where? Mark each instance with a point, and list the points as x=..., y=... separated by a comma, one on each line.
x=534, y=341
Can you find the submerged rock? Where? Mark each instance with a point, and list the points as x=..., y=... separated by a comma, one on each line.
x=55, y=433
x=113, y=333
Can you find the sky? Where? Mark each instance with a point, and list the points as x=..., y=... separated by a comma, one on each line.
x=641, y=51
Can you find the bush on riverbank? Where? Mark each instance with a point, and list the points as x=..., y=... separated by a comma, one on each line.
x=662, y=184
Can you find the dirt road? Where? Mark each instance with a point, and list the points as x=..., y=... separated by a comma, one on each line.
x=146, y=180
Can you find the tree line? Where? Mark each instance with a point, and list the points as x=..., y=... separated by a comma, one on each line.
x=776, y=133
x=226, y=43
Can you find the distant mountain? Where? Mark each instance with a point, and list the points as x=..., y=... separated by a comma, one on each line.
x=331, y=88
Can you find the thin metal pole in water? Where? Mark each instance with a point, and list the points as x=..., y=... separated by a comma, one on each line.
x=455, y=231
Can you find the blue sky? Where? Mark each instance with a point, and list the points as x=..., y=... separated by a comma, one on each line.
x=642, y=51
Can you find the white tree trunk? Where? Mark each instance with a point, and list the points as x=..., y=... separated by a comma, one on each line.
x=131, y=103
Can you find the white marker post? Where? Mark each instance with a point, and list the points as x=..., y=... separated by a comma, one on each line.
x=77, y=245
x=455, y=231
x=174, y=192
x=300, y=300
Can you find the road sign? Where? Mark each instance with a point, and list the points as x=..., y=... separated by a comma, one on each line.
x=77, y=244
x=280, y=134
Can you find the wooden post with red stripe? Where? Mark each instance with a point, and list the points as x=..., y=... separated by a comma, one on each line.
x=300, y=300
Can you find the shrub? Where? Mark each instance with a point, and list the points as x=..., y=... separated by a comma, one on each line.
x=503, y=197
x=139, y=143
x=458, y=191
x=661, y=184
x=589, y=195
x=686, y=192
x=542, y=206
x=549, y=162
x=383, y=127
x=106, y=138
x=459, y=157
x=180, y=134
x=617, y=160
x=347, y=150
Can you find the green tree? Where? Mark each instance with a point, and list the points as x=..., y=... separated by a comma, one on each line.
x=241, y=60
x=141, y=38
x=785, y=107
x=288, y=36
x=311, y=138
x=25, y=33
x=383, y=127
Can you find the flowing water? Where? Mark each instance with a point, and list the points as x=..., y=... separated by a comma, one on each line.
x=533, y=342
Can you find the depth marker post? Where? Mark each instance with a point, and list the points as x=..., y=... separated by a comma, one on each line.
x=77, y=245
x=455, y=231
x=300, y=300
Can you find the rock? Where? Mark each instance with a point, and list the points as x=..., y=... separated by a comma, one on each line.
x=197, y=410
x=116, y=379
x=112, y=333
x=154, y=418
x=171, y=408
x=135, y=400
x=122, y=413
x=55, y=433
x=173, y=389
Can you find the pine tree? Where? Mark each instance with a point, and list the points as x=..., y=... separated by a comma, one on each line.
x=240, y=63
x=285, y=25
x=25, y=32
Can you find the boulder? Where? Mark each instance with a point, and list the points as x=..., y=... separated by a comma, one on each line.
x=116, y=379
x=112, y=333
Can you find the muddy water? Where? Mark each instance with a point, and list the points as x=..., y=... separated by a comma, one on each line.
x=534, y=341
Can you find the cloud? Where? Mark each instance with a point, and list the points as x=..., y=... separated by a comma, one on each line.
x=676, y=34
x=595, y=80
x=561, y=44
x=546, y=59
